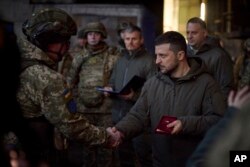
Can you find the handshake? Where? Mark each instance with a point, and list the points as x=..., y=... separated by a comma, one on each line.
x=114, y=137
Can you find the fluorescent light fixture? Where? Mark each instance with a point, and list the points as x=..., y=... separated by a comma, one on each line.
x=203, y=11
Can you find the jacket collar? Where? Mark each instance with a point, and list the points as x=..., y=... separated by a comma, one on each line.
x=197, y=67
x=208, y=43
x=135, y=53
x=32, y=52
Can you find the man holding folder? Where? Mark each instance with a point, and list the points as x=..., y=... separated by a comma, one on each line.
x=135, y=62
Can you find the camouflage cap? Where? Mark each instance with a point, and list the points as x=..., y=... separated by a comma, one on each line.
x=95, y=27
x=52, y=24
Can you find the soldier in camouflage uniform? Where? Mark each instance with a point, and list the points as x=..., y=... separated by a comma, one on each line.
x=64, y=66
x=41, y=93
x=92, y=67
x=242, y=66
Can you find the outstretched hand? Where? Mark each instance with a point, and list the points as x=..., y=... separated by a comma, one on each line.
x=115, y=137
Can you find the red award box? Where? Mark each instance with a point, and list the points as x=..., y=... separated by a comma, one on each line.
x=162, y=125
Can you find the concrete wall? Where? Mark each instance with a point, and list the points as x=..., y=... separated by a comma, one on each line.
x=17, y=11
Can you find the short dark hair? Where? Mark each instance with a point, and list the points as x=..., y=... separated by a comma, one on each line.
x=175, y=39
x=133, y=28
x=199, y=21
x=123, y=25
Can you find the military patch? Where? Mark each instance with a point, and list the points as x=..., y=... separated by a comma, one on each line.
x=68, y=98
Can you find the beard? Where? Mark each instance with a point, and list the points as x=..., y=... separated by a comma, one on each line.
x=171, y=69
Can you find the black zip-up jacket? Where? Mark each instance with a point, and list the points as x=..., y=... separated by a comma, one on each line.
x=139, y=63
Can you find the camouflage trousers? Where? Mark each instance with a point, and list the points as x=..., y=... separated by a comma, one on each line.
x=98, y=156
x=93, y=156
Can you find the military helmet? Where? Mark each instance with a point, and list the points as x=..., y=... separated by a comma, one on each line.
x=95, y=27
x=49, y=25
x=81, y=34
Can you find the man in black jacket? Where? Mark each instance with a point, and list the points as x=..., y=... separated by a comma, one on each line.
x=182, y=89
x=217, y=60
x=135, y=60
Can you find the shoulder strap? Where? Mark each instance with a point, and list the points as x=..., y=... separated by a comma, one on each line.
x=75, y=79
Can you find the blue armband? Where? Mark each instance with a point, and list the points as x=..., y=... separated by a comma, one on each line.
x=69, y=100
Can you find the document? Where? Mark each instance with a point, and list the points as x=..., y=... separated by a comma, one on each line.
x=162, y=125
x=135, y=83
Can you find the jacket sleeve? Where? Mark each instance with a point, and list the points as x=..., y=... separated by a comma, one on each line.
x=212, y=109
x=137, y=119
x=245, y=79
x=72, y=76
x=197, y=158
x=72, y=125
x=234, y=136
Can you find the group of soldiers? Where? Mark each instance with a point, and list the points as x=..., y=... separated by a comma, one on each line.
x=64, y=110
x=61, y=104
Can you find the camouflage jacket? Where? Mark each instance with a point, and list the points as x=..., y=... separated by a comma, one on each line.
x=245, y=78
x=92, y=69
x=242, y=71
x=41, y=94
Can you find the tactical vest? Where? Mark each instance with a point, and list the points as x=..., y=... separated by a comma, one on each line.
x=94, y=70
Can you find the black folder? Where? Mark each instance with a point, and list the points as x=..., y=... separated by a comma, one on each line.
x=134, y=83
